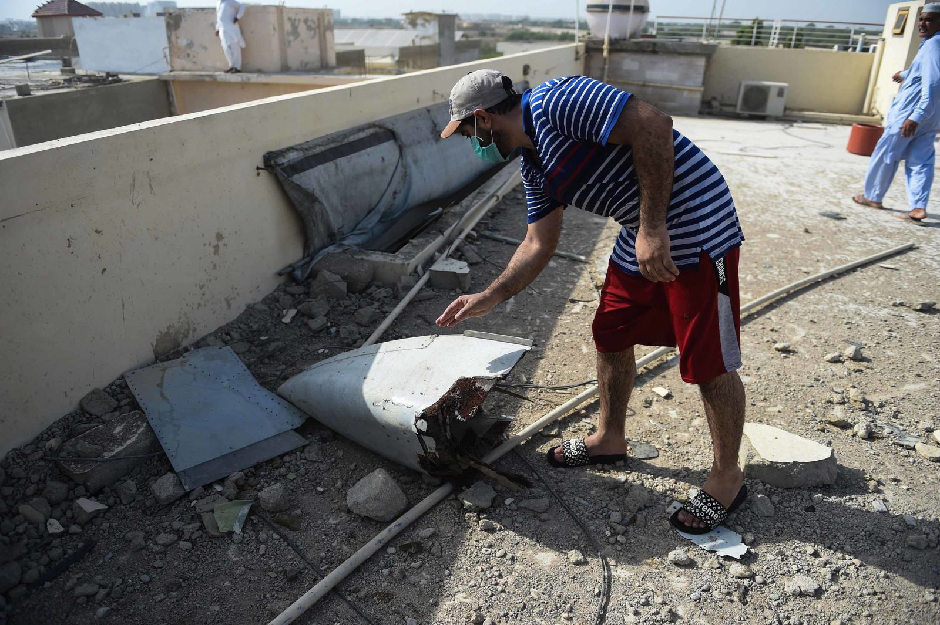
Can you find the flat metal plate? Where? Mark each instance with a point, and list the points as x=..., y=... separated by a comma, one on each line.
x=223, y=466
x=207, y=405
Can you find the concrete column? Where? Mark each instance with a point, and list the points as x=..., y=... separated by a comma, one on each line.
x=446, y=31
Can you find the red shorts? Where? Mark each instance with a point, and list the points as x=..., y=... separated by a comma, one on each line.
x=699, y=312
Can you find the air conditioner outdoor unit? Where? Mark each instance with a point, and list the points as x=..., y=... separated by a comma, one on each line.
x=762, y=98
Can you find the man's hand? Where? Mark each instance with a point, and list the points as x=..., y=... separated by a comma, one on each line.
x=897, y=77
x=908, y=128
x=652, y=255
x=216, y=33
x=236, y=21
x=466, y=306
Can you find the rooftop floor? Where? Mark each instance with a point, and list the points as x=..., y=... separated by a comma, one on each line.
x=869, y=565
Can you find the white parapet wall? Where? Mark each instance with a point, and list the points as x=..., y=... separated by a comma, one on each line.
x=121, y=245
x=132, y=45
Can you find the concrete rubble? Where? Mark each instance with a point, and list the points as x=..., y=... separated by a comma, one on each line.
x=128, y=435
x=377, y=496
x=451, y=275
x=782, y=459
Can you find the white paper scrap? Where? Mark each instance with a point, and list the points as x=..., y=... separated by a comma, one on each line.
x=721, y=540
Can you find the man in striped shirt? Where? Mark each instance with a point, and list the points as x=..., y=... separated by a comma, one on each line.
x=672, y=277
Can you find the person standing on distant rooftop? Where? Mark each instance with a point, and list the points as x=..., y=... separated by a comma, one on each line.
x=911, y=127
x=227, y=14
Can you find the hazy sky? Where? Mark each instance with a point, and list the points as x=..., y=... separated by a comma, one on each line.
x=811, y=10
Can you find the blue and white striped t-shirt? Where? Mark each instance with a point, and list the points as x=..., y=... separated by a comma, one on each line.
x=569, y=120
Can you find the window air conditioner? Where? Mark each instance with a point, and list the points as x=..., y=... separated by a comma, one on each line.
x=762, y=98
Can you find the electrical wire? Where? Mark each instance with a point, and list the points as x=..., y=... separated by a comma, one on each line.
x=561, y=387
x=604, y=598
x=107, y=459
x=311, y=564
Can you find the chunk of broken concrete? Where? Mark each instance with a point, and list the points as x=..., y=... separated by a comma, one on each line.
x=55, y=492
x=274, y=498
x=663, y=392
x=314, y=308
x=54, y=527
x=450, y=274
x=853, y=352
x=782, y=459
x=355, y=272
x=478, y=497
x=36, y=511
x=86, y=509
x=167, y=489
x=377, y=496
x=129, y=435
x=930, y=452
x=329, y=285
x=924, y=306
x=366, y=316
x=98, y=403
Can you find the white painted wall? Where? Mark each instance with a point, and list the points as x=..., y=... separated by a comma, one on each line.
x=126, y=45
x=154, y=234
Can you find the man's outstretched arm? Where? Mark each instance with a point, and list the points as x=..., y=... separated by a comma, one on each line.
x=525, y=265
x=649, y=132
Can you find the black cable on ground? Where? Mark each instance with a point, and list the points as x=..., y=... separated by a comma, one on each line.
x=604, y=598
x=313, y=566
x=108, y=459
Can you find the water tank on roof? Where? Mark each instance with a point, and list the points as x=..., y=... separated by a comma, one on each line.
x=626, y=21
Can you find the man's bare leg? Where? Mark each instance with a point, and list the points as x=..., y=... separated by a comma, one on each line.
x=724, y=401
x=616, y=373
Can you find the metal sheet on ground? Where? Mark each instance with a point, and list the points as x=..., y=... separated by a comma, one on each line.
x=211, y=416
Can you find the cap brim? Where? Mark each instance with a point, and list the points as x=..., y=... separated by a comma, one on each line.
x=450, y=129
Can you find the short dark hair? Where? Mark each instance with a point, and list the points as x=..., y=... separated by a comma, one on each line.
x=501, y=108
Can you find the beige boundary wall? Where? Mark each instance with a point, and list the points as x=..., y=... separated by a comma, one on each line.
x=823, y=81
x=123, y=244
x=899, y=51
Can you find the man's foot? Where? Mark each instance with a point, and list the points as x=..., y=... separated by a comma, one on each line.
x=722, y=486
x=864, y=201
x=918, y=214
x=598, y=446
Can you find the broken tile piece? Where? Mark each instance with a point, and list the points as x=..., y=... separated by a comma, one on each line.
x=779, y=458
x=665, y=393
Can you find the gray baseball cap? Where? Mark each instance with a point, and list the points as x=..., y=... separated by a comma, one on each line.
x=477, y=90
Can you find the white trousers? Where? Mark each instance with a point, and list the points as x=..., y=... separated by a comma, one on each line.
x=232, y=44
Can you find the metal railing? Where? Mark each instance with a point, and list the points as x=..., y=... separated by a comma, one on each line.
x=773, y=33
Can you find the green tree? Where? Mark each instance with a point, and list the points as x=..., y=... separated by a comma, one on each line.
x=750, y=34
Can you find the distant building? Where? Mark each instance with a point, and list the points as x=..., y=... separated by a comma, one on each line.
x=55, y=17
x=117, y=9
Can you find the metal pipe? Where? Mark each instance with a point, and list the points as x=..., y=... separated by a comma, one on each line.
x=473, y=216
x=577, y=20
x=720, y=15
x=325, y=585
x=629, y=22
x=610, y=9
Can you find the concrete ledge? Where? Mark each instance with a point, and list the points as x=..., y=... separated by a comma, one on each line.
x=655, y=46
x=287, y=78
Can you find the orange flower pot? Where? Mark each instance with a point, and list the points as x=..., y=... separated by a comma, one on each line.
x=863, y=137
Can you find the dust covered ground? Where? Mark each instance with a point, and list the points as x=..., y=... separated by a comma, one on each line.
x=862, y=551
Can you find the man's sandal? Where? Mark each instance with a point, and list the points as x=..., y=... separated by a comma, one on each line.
x=861, y=200
x=575, y=454
x=707, y=509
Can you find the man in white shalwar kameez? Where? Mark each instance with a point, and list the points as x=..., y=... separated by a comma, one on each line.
x=911, y=126
x=227, y=14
